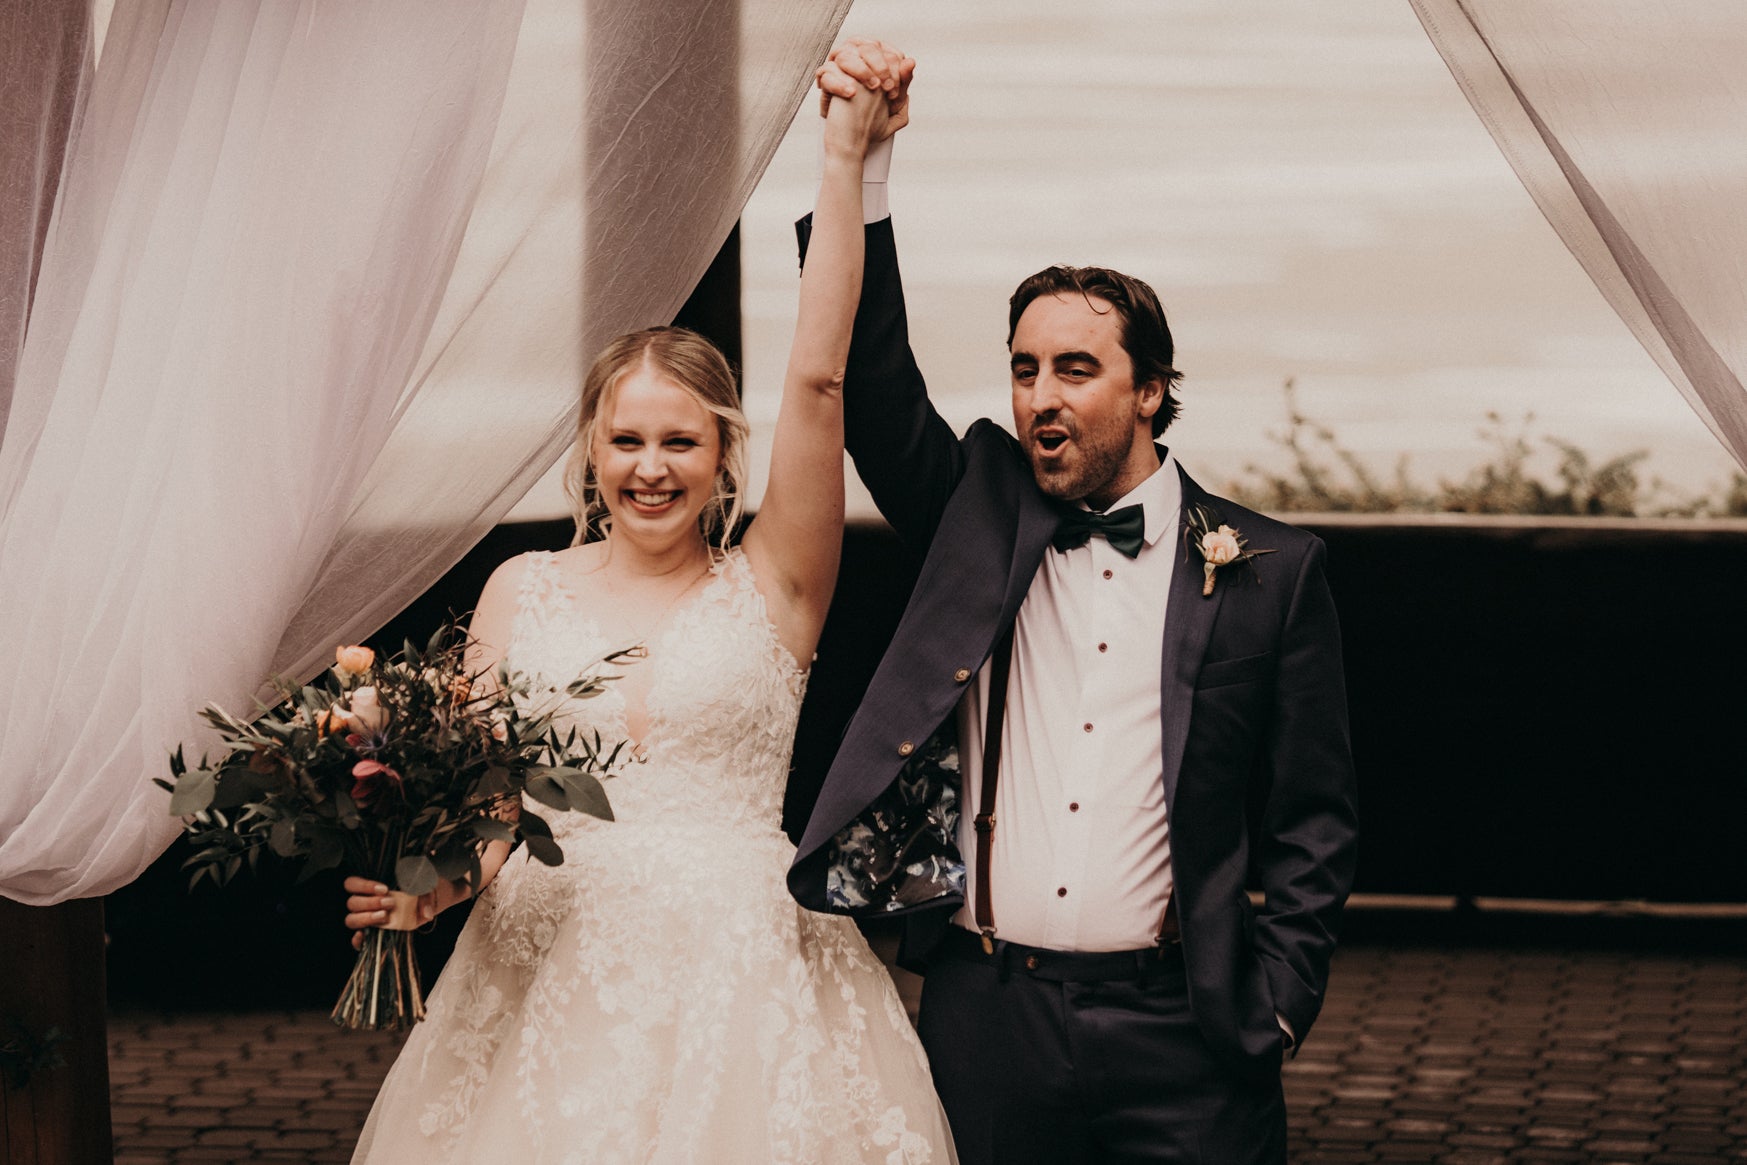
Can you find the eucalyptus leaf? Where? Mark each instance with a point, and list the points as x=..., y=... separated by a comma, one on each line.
x=454, y=864
x=193, y=792
x=325, y=852
x=282, y=838
x=585, y=794
x=415, y=875
x=545, y=788
x=238, y=786
x=537, y=836
x=545, y=850
x=491, y=829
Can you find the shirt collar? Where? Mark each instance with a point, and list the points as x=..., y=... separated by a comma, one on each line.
x=1160, y=497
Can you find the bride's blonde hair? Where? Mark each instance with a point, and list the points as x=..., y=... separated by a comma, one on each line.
x=697, y=366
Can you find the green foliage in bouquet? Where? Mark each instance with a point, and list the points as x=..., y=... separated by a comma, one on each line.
x=402, y=771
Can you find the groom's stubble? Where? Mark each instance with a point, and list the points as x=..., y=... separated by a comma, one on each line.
x=1100, y=450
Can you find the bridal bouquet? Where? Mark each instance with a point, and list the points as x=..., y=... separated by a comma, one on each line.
x=401, y=771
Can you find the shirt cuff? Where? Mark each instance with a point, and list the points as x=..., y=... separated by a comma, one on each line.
x=874, y=171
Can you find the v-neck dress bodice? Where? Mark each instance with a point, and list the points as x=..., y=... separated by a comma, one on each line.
x=723, y=697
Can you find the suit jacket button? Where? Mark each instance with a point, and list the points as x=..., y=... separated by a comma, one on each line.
x=962, y=674
x=906, y=748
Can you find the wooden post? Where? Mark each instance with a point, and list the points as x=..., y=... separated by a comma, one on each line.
x=713, y=311
x=52, y=982
x=43, y=49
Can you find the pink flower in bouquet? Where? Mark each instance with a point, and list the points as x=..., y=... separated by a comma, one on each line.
x=368, y=776
x=354, y=660
x=431, y=755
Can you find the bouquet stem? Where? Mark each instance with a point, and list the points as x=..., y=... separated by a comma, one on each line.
x=383, y=992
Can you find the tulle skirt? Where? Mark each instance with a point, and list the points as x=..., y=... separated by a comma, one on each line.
x=659, y=998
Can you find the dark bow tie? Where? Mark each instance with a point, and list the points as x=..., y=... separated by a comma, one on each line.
x=1124, y=529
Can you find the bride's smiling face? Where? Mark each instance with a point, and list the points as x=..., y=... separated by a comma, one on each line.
x=657, y=452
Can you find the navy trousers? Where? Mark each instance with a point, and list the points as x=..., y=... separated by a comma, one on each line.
x=1068, y=1059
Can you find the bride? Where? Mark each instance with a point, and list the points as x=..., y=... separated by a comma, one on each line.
x=659, y=997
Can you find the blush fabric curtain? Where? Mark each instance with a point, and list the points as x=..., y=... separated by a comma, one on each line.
x=1627, y=122
x=310, y=315
x=44, y=62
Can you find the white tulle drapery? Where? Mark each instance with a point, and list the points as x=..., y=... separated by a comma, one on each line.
x=310, y=316
x=1627, y=122
x=44, y=55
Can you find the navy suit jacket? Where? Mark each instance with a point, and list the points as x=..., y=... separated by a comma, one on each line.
x=1258, y=775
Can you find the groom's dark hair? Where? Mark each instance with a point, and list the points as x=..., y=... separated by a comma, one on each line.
x=1145, y=335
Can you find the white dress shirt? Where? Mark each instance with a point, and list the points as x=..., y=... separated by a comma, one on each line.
x=1082, y=853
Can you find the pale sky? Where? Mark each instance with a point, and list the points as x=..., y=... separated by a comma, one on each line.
x=1304, y=185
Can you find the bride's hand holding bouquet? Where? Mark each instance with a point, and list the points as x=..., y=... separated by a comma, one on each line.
x=409, y=771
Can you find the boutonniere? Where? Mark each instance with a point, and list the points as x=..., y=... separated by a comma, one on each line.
x=1218, y=545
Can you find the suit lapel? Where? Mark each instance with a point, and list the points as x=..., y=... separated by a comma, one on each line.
x=1189, y=618
x=1036, y=525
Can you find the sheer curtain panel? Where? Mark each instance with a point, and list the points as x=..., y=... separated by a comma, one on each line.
x=1627, y=121
x=312, y=313
x=44, y=51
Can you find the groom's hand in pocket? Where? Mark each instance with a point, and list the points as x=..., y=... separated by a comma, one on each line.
x=370, y=903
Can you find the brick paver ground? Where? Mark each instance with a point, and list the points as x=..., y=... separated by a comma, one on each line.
x=1421, y=1055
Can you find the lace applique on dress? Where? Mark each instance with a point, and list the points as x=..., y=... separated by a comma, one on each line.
x=659, y=997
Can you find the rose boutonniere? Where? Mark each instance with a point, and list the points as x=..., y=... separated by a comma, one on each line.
x=1217, y=544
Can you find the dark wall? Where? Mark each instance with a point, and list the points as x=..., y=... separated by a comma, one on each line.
x=1546, y=709
x=1539, y=710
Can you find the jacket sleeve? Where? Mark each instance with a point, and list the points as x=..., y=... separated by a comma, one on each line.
x=904, y=451
x=1308, y=841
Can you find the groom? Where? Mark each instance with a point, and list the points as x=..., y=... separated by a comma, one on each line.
x=1133, y=689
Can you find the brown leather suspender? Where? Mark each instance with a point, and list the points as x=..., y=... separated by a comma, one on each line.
x=984, y=822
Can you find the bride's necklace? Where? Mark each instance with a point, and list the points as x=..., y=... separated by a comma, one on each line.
x=638, y=644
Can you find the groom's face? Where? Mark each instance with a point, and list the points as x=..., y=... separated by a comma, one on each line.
x=1076, y=409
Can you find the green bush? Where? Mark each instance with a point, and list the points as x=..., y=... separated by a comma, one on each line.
x=1327, y=477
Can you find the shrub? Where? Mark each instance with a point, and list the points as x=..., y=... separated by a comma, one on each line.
x=1326, y=476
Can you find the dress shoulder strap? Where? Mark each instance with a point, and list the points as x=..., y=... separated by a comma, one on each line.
x=540, y=592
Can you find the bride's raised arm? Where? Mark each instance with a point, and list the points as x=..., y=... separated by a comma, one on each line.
x=797, y=538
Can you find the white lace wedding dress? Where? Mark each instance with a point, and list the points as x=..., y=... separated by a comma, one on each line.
x=659, y=997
